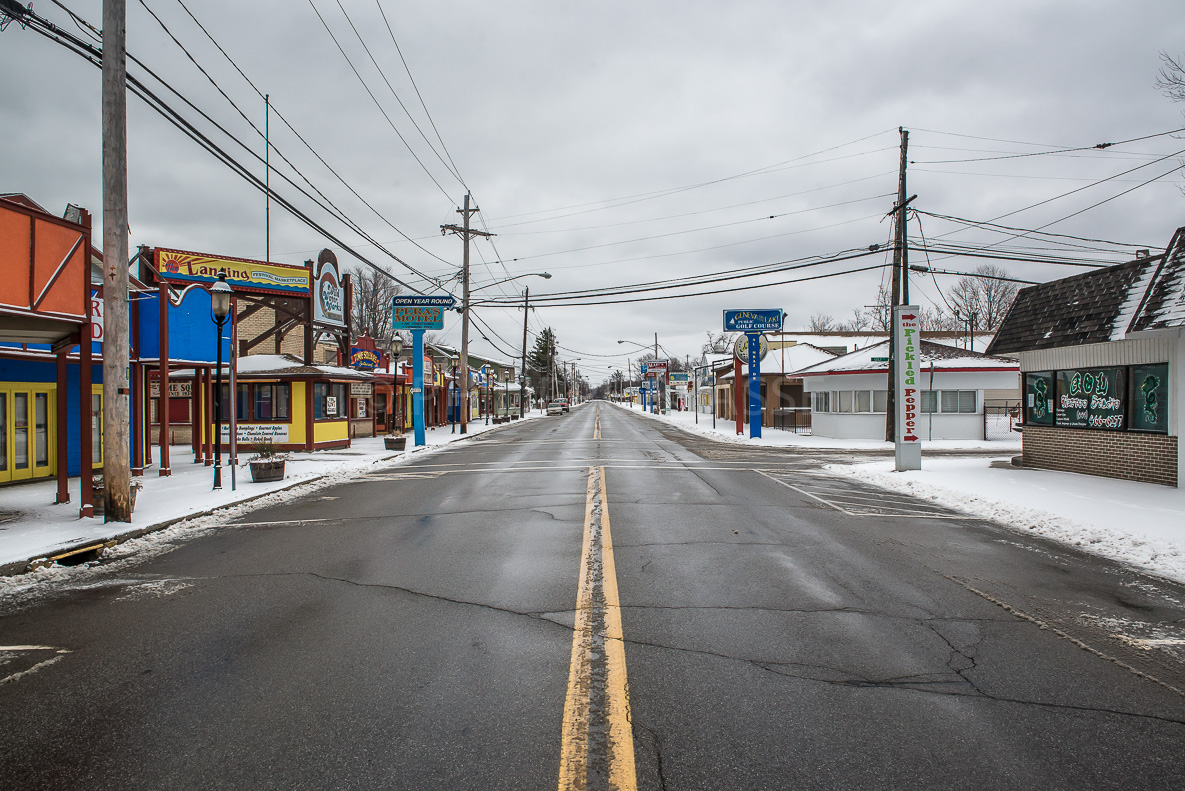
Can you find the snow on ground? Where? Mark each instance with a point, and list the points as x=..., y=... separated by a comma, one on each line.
x=31, y=526
x=725, y=431
x=1141, y=524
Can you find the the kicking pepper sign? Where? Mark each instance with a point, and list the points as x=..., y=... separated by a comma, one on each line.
x=907, y=327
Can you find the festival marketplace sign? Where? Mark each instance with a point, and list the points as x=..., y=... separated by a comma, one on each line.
x=419, y=312
x=242, y=274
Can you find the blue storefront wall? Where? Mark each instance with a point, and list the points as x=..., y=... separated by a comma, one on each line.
x=46, y=372
x=191, y=329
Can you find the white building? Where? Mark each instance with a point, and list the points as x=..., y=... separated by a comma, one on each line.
x=849, y=394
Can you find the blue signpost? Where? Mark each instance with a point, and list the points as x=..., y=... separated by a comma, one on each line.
x=753, y=323
x=419, y=313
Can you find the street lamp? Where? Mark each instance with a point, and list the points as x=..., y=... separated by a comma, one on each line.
x=395, y=349
x=220, y=295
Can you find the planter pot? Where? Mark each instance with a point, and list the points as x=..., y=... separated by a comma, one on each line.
x=395, y=443
x=267, y=471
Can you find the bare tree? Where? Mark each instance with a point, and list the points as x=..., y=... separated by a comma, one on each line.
x=881, y=313
x=859, y=322
x=372, y=303
x=983, y=296
x=822, y=322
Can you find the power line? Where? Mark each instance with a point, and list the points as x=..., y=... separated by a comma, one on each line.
x=377, y=104
x=314, y=152
x=1095, y=147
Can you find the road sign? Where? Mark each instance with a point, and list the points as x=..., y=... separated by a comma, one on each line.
x=420, y=312
x=759, y=320
x=880, y=359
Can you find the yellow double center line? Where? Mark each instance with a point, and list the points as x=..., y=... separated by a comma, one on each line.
x=597, y=750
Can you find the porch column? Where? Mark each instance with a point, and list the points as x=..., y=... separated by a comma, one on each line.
x=308, y=415
x=86, y=449
x=208, y=418
x=136, y=411
x=61, y=441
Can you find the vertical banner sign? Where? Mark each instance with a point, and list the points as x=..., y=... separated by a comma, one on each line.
x=908, y=445
x=754, y=383
x=329, y=302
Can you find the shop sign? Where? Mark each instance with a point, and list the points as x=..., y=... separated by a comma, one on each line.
x=757, y=320
x=96, y=318
x=361, y=408
x=241, y=274
x=363, y=359
x=176, y=389
x=654, y=367
x=907, y=328
x=740, y=349
x=329, y=301
x=1091, y=398
x=679, y=376
x=254, y=433
x=419, y=312
x=361, y=389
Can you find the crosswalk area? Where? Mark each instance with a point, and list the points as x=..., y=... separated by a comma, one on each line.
x=856, y=498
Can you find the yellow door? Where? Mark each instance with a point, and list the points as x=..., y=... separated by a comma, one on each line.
x=27, y=433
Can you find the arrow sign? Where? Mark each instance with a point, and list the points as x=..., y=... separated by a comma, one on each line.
x=908, y=316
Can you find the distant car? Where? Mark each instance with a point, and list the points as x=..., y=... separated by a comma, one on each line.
x=556, y=408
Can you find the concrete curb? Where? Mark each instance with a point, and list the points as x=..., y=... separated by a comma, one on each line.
x=18, y=567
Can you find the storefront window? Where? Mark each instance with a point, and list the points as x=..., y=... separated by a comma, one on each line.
x=41, y=428
x=1150, y=398
x=21, y=429
x=1091, y=398
x=863, y=400
x=3, y=432
x=1039, y=398
x=845, y=400
x=880, y=400
x=272, y=401
x=329, y=401
x=929, y=399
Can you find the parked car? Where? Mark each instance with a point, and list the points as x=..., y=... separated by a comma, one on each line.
x=564, y=403
x=556, y=408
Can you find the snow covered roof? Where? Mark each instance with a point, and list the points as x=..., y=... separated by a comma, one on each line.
x=850, y=341
x=287, y=365
x=802, y=355
x=1099, y=306
x=940, y=356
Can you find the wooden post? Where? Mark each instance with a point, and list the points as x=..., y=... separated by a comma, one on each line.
x=61, y=440
x=116, y=416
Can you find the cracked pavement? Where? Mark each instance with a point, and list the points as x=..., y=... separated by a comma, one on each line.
x=415, y=632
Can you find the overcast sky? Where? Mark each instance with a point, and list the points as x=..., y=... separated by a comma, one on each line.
x=620, y=142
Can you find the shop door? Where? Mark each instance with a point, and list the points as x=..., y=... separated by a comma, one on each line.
x=26, y=435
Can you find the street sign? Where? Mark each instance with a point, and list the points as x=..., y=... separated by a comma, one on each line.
x=419, y=312
x=880, y=359
x=759, y=320
x=416, y=390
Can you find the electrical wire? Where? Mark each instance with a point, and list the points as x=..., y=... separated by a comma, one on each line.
x=373, y=98
x=1096, y=146
x=315, y=153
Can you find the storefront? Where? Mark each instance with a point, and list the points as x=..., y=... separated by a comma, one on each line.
x=1103, y=360
x=46, y=353
x=849, y=394
x=282, y=402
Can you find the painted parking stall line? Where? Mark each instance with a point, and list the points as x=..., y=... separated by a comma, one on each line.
x=855, y=499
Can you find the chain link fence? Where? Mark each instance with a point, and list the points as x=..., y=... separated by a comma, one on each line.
x=1001, y=420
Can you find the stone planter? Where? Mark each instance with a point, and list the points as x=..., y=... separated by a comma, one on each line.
x=267, y=471
x=395, y=443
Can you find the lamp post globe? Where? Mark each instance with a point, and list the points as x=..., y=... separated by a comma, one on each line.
x=220, y=297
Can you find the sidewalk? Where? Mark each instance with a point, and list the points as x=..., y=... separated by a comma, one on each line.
x=33, y=529
x=1140, y=524
x=725, y=431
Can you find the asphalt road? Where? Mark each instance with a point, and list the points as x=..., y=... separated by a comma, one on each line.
x=598, y=601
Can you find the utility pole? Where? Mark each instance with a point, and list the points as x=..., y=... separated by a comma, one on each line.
x=900, y=292
x=117, y=473
x=466, y=234
x=267, y=180
x=522, y=388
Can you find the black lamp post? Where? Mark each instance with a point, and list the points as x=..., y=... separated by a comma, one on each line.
x=220, y=294
x=455, y=406
x=397, y=406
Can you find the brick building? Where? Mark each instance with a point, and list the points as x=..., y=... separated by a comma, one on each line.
x=1103, y=364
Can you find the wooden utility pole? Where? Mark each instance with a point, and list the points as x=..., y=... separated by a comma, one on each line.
x=117, y=474
x=466, y=234
x=522, y=388
x=900, y=293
